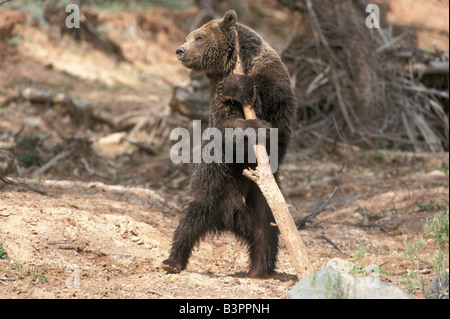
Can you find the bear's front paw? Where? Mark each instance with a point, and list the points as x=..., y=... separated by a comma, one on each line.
x=234, y=88
x=257, y=124
x=222, y=94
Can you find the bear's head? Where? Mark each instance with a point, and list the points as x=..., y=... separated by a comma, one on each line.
x=211, y=48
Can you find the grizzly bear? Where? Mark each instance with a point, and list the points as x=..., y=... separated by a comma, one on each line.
x=219, y=197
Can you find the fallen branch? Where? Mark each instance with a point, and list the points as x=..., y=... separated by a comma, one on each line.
x=146, y=147
x=440, y=93
x=4, y=1
x=432, y=67
x=10, y=157
x=51, y=163
x=31, y=94
x=265, y=180
x=119, y=123
x=310, y=217
x=366, y=225
x=392, y=42
x=10, y=182
x=328, y=240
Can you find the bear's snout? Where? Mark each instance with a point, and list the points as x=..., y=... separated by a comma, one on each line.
x=180, y=52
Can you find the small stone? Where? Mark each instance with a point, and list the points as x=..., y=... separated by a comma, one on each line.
x=438, y=288
x=137, y=240
x=336, y=281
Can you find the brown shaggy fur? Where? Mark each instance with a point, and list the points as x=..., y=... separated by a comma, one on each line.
x=219, y=198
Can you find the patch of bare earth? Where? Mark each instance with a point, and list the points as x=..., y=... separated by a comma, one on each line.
x=103, y=230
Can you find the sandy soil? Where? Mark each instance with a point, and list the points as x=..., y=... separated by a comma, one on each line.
x=103, y=231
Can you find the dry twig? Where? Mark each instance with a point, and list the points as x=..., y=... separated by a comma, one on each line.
x=310, y=217
x=119, y=123
x=10, y=157
x=330, y=242
x=10, y=182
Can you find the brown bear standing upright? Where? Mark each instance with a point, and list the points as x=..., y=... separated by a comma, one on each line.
x=219, y=198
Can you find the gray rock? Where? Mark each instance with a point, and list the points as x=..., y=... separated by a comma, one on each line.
x=336, y=280
x=438, y=288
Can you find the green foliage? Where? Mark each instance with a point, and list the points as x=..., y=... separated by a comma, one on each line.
x=382, y=144
x=376, y=157
x=37, y=275
x=412, y=280
x=333, y=287
x=3, y=254
x=17, y=267
x=28, y=159
x=361, y=250
x=35, y=11
x=432, y=206
x=438, y=261
x=437, y=228
x=413, y=249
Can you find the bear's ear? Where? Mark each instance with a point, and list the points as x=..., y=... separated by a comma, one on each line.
x=229, y=20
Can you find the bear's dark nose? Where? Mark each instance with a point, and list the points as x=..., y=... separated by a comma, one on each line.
x=180, y=52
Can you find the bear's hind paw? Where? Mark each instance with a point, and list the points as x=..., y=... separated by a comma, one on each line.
x=170, y=267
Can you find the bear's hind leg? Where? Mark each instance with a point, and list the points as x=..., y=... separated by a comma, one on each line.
x=191, y=229
x=262, y=237
x=263, y=250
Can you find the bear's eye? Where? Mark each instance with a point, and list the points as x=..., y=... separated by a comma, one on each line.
x=200, y=38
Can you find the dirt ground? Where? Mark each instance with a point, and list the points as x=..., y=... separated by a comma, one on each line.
x=106, y=222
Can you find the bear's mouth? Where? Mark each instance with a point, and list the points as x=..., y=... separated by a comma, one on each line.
x=186, y=62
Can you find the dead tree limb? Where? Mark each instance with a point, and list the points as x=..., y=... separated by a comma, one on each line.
x=5, y=155
x=328, y=240
x=263, y=177
x=310, y=217
x=4, y=1
x=119, y=123
x=10, y=182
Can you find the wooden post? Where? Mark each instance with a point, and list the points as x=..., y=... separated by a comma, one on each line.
x=263, y=177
